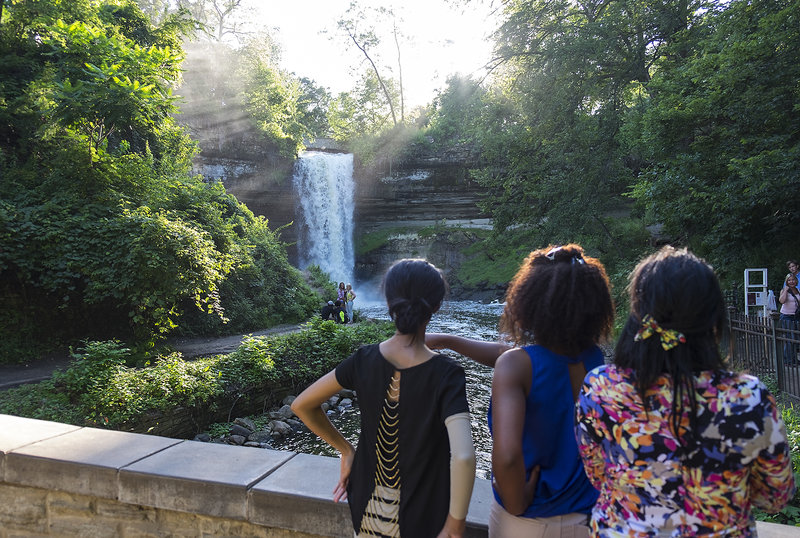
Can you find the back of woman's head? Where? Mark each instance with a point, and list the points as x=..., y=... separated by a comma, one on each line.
x=559, y=299
x=678, y=294
x=414, y=290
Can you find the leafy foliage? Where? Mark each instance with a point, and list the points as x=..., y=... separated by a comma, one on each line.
x=320, y=280
x=104, y=232
x=721, y=130
x=102, y=388
x=790, y=514
x=238, y=89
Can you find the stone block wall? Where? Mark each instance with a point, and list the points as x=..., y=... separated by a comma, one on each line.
x=63, y=480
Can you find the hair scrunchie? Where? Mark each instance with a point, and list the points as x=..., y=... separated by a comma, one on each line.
x=669, y=337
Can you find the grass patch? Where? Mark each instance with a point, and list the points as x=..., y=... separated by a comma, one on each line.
x=367, y=242
x=493, y=259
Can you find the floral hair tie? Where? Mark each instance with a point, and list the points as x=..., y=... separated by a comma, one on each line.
x=669, y=337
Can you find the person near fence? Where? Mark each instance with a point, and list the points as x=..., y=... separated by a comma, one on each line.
x=413, y=470
x=793, y=267
x=790, y=309
x=558, y=308
x=676, y=443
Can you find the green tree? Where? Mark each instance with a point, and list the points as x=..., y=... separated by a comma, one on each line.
x=272, y=99
x=362, y=111
x=361, y=29
x=114, y=238
x=722, y=133
x=313, y=105
x=565, y=74
x=119, y=85
x=457, y=114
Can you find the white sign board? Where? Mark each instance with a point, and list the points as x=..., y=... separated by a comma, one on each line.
x=755, y=292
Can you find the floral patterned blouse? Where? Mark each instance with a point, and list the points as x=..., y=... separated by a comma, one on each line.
x=651, y=486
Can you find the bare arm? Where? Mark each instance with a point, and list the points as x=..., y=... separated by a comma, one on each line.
x=784, y=295
x=308, y=408
x=510, y=385
x=477, y=350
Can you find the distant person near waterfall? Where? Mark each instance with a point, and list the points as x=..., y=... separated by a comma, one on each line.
x=424, y=446
x=350, y=296
x=328, y=310
x=339, y=312
x=341, y=292
x=558, y=308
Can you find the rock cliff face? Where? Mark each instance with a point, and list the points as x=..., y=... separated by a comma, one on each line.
x=429, y=196
x=410, y=196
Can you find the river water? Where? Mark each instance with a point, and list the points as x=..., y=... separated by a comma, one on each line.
x=464, y=318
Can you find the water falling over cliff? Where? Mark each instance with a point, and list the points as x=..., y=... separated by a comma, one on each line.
x=324, y=186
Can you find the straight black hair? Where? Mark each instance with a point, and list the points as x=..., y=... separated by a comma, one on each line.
x=414, y=290
x=681, y=292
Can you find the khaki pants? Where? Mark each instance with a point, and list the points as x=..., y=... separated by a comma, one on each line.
x=504, y=525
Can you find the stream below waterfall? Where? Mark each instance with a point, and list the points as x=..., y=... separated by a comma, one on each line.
x=464, y=318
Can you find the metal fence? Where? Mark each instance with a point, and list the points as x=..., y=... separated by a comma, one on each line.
x=767, y=348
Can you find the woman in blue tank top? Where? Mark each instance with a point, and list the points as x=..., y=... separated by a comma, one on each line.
x=558, y=308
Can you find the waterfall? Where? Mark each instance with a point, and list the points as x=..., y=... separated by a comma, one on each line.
x=324, y=186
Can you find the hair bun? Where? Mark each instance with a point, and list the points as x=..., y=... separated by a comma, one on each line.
x=414, y=291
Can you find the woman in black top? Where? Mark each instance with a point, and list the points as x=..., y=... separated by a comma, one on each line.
x=413, y=470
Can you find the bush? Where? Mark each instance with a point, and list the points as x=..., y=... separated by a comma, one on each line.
x=790, y=514
x=100, y=388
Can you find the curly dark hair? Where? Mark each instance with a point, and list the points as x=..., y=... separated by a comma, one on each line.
x=559, y=299
x=681, y=292
x=414, y=290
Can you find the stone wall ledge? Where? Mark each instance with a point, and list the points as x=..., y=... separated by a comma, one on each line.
x=57, y=480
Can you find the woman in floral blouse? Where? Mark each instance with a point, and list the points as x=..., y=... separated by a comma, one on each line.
x=676, y=443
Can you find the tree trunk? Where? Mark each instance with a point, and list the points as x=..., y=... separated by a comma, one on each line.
x=400, y=74
x=378, y=75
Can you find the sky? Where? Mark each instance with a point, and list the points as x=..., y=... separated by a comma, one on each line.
x=442, y=40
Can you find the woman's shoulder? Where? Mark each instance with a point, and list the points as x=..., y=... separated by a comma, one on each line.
x=611, y=372
x=444, y=362
x=736, y=385
x=368, y=352
x=610, y=379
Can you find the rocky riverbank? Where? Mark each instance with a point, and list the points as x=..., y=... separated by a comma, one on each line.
x=278, y=424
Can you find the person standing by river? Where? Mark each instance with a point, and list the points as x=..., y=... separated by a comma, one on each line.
x=413, y=469
x=558, y=308
x=350, y=296
x=678, y=444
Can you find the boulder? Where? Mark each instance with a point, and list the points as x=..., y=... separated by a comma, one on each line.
x=246, y=423
x=236, y=429
x=261, y=436
x=280, y=428
x=236, y=440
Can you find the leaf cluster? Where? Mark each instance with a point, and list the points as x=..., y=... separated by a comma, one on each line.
x=104, y=232
x=602, y=118
x=103, y=388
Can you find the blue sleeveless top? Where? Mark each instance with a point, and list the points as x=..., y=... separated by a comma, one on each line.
x=548, y=436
